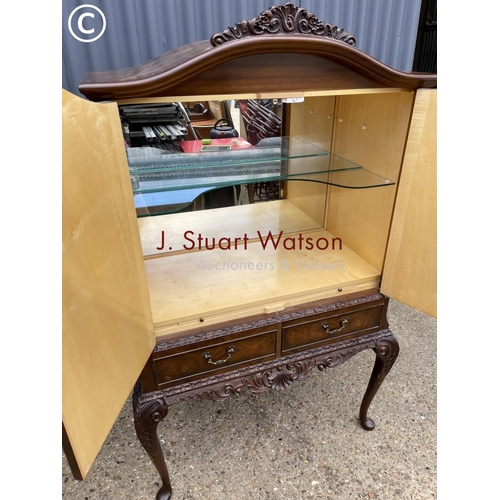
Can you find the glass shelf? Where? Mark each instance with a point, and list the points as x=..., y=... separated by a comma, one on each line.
x=187, y=175
x=152, y=160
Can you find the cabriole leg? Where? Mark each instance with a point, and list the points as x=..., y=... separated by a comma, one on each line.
x=386, y=352
x=147, y=416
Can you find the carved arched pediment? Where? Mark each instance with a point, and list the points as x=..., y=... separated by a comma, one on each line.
x=285, y=19
x=284, y=49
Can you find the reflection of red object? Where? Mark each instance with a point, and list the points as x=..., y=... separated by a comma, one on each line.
x=234, y=142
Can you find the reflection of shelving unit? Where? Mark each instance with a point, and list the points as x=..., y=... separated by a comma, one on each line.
x=196, y=300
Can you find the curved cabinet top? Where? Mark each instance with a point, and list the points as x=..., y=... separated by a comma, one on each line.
x=285, y=49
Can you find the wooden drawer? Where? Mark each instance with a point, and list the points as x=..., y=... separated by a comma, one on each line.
x=218, y=355
x=307, y=332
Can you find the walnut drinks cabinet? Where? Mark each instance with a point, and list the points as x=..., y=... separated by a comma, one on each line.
x=355, y=225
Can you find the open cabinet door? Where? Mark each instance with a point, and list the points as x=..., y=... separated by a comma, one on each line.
x=107, y=326
x=410, y=269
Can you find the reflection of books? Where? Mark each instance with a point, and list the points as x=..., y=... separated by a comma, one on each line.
x=197, y=146
x=212, y=148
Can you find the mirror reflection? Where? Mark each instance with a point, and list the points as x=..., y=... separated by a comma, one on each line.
x=201, y=127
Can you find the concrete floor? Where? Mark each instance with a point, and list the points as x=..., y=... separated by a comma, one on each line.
x=304, y=442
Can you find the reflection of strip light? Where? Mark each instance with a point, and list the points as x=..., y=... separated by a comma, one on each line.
x=292, y=100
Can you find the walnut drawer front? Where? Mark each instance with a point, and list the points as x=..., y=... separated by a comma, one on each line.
x=209, y=358
x=322, y=328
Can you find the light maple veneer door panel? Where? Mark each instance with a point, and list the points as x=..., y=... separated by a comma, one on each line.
x=370, y=130
x=410, y=270
x=107, y=327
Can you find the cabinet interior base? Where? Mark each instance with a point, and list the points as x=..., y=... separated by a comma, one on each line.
x=272, y=269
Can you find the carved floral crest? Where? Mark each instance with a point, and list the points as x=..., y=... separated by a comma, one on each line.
x=285, y=19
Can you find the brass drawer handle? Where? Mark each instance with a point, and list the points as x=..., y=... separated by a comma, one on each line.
x=208, y=356
x=327, y=328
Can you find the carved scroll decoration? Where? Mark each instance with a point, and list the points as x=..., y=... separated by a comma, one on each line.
x=146, y=418
x=284, y=19
x=277, y=374
x=388, y=350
